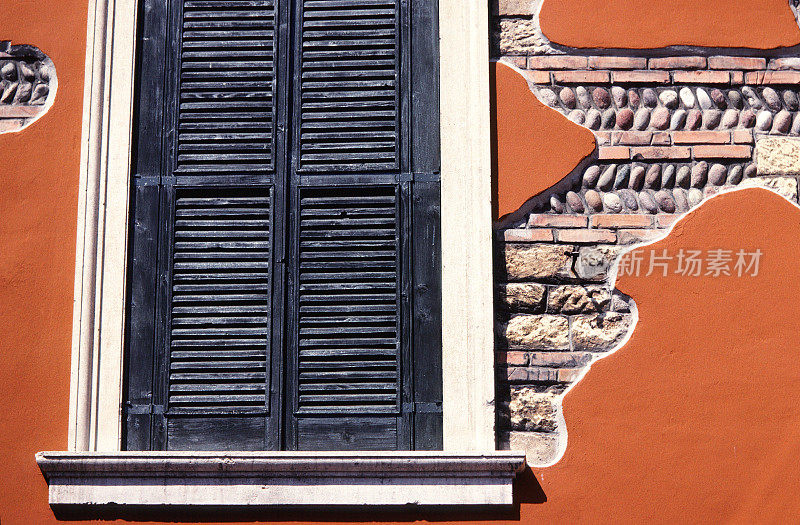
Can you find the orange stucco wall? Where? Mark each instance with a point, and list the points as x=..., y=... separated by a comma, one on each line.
x=38, y=203
x=641, y=24
x=695, y=419
x=525, y=132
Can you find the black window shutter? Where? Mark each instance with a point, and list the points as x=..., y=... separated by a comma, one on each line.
x=360, y=190
x=285, y=288
x=205, y=176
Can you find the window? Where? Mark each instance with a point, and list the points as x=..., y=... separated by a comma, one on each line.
x=95, y=470
x=285, y=284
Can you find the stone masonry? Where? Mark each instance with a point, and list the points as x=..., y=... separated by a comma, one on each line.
x=27, y=86
x=671, y=131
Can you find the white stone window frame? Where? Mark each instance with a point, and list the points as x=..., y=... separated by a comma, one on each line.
x=95, y=415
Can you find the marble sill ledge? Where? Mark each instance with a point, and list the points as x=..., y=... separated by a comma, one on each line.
x=243, y=479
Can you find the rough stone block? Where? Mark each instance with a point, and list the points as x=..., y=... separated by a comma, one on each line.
x=541, y=448
x=523, y=297
x=778, y=156
x=537, y=332
x=600, y=332
x=784, y=186
x=594, y=262
x=575, y=299
x=533, y=411
x=521, y=37
x=538, y=261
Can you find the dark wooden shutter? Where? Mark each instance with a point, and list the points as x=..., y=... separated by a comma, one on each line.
x=354, y=187
x=284, y=286
x=208, y=117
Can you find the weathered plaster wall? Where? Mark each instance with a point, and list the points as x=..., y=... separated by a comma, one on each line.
x=696, y=419
x=682, y=424
x=524, y=132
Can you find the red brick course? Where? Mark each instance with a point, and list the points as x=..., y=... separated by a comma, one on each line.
x=701, y=77
x=614, y=153
x=747, y=63
x=622, y=221
x=646, y=77
x=586, y=236
x=617, y=63
x=529, y=235
x=581, y=77
x=558, y=221
x=701, y=137
x=557, y=62
x=723, y=152
x=678, y=63
x=772, y=77
x=657, y=153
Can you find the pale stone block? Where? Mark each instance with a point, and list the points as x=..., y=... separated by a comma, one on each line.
x=548, y=332
x=532, y=410
x=784, y=186
x=538, y=261
x=541, y=448
x=778, y=156
x=600, y=333
x=525, y=297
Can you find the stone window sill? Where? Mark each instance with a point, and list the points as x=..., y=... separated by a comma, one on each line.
x=236, y=479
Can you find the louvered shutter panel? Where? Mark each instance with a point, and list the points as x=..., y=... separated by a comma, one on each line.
x=213, y=316
x=348, y=355
x=353, y=184
x=349, y=86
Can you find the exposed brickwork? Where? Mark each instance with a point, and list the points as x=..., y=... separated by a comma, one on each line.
x=671, y=131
